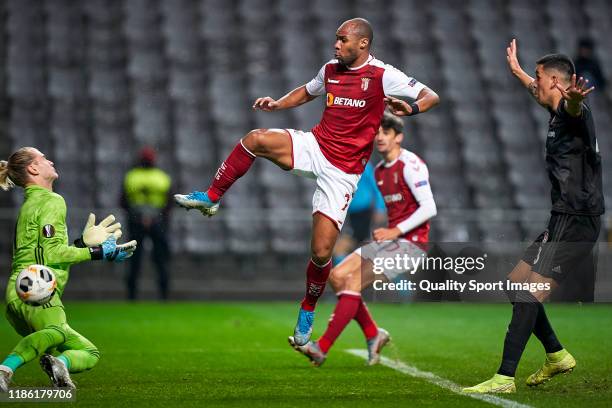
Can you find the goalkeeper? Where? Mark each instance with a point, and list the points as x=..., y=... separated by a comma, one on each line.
x=41, y=238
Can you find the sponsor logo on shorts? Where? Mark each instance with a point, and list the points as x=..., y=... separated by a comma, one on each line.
x=339, y=101
x=421, y=183
x=412, y=82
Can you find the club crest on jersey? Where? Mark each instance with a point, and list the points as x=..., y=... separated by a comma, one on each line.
x=365, y=82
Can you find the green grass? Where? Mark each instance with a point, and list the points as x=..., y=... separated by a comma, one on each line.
x=236, y=354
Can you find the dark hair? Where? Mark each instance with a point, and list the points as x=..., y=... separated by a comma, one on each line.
x=390, y=121
x=559, y=62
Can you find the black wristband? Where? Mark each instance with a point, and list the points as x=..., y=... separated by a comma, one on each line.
x=96, y=253
x=79, y=242
x=415, y=108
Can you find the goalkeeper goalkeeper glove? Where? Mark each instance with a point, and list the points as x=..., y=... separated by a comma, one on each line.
x=94, y=235
x=110, y=251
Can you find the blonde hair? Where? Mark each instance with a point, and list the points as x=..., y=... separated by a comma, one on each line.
x=13, y=172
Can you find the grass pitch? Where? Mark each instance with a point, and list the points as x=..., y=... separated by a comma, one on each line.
x=236, y=354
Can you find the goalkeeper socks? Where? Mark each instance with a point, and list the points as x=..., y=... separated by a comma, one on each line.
x=345, y=310
x=545, y=333
x=364, y=318
x=316, y=278
x=235, y=166
x=524, y=316
x=64, y=360
x=13, y=361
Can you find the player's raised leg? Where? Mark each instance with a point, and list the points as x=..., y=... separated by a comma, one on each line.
x=324, y=235
x=272, y=144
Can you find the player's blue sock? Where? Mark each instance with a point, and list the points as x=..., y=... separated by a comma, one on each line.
x=13, y=361
x=64, y=360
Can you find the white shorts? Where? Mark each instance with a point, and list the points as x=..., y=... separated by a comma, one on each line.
x=335, y=188
x=377, y=253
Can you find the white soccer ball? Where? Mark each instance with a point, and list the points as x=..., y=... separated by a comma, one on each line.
x=35, y=285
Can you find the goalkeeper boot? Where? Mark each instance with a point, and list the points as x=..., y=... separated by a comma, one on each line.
x=556, y=363
x=497, y=384
x=57, y=372
x=375, y=346
x=5, y=378
x=199, y=201
x=310, y=350
x=303, y=328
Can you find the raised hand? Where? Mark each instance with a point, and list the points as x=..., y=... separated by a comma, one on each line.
x=577, y=90
x=94, y=235
x=265, y=104
x=512, y=57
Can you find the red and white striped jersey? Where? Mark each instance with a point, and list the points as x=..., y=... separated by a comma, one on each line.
x=404, y=183
x=354, y=108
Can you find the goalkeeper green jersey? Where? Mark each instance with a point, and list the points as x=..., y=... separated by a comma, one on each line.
x=41, y=237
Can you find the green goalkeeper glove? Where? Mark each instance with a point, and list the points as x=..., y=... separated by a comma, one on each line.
x=94, y=235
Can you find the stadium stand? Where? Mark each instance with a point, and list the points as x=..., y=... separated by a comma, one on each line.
x=90, y=82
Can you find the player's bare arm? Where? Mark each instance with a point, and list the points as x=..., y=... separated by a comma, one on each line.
x=575, y=94
x=426, y=100
x=515, y=67
x=294, y=98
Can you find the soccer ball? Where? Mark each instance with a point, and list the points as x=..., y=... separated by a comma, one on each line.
x=35, y=285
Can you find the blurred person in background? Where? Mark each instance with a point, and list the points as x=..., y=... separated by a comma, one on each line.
x=587, y=64
x=145, y=197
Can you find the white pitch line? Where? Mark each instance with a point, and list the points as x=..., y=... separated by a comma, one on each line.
x=439, y=381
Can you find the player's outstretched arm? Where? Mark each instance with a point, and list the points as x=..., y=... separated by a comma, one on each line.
x=53, y=248
x=515, y=67
x=575, y=94
x=294, y=98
